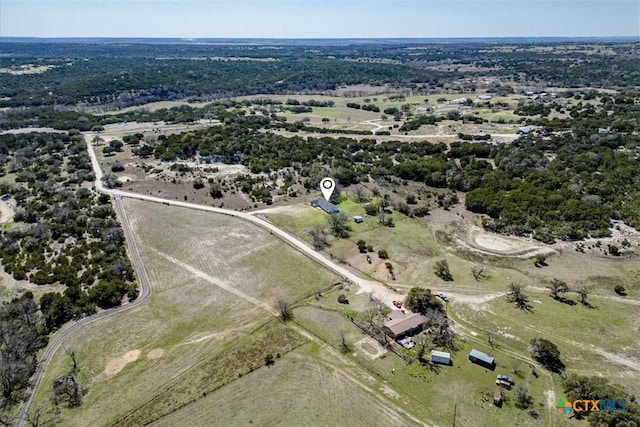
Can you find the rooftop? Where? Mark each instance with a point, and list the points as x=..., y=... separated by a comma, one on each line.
x=326, y=206
x=482, y=356
x=440, y=353
x=399, y=322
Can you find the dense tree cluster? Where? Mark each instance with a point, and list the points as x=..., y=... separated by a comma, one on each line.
x=578, y=387
x=568, y=185
x=128, y=74
x=63, y=232
x=421, y=300
x=20, y=339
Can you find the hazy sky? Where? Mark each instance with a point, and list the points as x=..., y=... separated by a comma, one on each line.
x=318, y=18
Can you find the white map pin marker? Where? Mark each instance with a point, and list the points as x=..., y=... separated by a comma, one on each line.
x=327, y=185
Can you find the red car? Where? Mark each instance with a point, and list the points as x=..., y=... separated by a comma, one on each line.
x=397, y=304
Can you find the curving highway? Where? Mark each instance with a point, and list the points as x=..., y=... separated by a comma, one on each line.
x=383, y=293
x=61, y=335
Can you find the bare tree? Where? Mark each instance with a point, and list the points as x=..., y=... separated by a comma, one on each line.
x=360, y=194
x=522, y=398
x=318, y=237
x=491, y=339
x=515, y=368
x=440, y=327
x=557, y=287
x=345, y=347
x=583, y=293
x=43, y=414
x=338, y=223
x=515, y=294
x=150, y=139
x=284, y=310
x=424, y=344
x=71, y=352
x=375, y=311
x=478, y=272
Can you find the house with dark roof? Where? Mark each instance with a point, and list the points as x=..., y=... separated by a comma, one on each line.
x=326, y=206
x=401, y=324
x=482, y=359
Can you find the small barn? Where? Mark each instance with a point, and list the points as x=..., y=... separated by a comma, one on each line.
x=441, y=357
x=326, y=206
x=482, y=359
x=358, y=219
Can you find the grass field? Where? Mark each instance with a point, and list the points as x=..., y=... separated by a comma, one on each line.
x=594, y=340
x=433, y=394
x=214, y=283
x=600, y=340
x=296, y=390
x=410, y=243
x=130, y=358
x=343, y=117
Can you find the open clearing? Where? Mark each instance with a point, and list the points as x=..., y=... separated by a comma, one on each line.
x=421, y=389
x=476, y=238
x=604, y=336
x=296, y=390
x=156, y=351
x=7, y=209
x=116, y=365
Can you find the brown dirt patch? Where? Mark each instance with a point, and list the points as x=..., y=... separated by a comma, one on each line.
x=116, y=365
x=156, y=353
x=6, y=211
x=476, y=239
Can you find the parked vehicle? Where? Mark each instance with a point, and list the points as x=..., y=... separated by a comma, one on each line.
x=443, y=297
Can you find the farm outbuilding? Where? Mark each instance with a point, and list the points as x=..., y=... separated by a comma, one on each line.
x=482, y=359
x=326, y=206
x=358, y=219
x=441, y=357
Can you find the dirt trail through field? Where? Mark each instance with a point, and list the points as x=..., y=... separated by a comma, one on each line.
x=612, y=357
x=215, y=281
x=385, y=405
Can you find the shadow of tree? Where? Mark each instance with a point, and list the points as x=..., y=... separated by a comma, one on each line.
x=565, y=300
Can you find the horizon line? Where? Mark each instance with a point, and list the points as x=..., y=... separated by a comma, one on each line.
x=633, y=38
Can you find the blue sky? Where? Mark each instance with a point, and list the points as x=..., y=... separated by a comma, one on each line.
x=318, y=18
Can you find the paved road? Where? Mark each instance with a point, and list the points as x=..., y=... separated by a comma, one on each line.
x=60, y=336
x=383, y=293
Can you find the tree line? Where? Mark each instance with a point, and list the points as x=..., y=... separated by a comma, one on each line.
x=63, y=233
